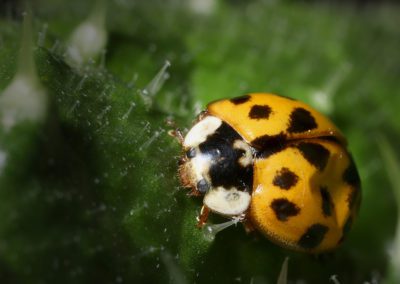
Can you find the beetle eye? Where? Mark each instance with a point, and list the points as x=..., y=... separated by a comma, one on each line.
x=191, y=153
x=203, y=186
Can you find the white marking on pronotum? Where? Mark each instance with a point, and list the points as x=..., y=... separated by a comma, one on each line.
x=247, y=158
x=200, y=165
x=229, y=202
x=201, y=130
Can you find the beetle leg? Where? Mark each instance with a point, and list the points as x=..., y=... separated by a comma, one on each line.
x=201, y=116
x=202, y=218
x=176, y=132
x=194, y=192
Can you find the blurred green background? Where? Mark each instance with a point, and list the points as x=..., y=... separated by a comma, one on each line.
x=88, y=186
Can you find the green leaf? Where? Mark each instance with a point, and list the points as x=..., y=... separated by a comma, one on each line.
x=91, y=194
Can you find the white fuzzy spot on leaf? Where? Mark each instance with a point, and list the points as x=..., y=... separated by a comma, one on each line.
x=23, y=99
x=202, y=7
x=247, y=158
x=88, y=40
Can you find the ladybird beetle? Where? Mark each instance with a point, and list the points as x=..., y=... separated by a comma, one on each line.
x=276, y=164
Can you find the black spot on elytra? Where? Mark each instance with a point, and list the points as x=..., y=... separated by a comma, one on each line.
x=301, y=120
x=225, y=169
x=269, y=144
x=327, y=203
x=260, y=112
x=347, y=225
x=285, y=179
x=240, y=100
x=313, y=236
x=284, y=209
x=315, y=154
x=350, y=175
x=352, y=199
